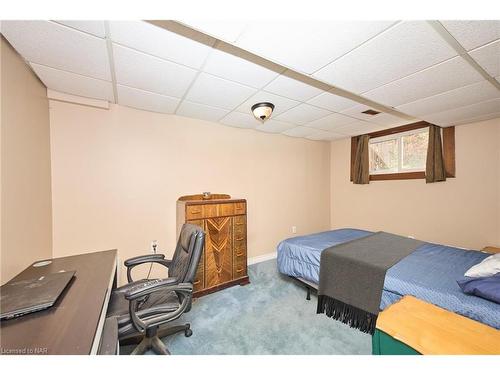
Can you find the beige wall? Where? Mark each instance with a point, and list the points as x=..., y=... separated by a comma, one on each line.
x=26, y=222
x=117, y=174
x=463, y=211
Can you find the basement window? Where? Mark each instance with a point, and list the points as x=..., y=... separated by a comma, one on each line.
x=399, y=153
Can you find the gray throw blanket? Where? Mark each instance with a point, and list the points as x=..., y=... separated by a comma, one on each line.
x=352, y=274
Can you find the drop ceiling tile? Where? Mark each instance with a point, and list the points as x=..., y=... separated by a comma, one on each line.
x=281, y=104
x=388, y=120
x=302, y=114
x=357, y=112
x=306, y=46
x=218, y=92
x=331, y=122
x=300, y=131
x=400, y=51
x=322, y=135
x=225, y=63
x=464, y=96
x=200, y=111
x=332, y=102
x=51, y=44
x=240, y=120
x=92, y=27
x=472, y=34
x=439, y=78
x=488, y=57
x=360, y=127
x=146, y=72
x=275, y=126
x=286, y=85
x=385, y=119
x=148, y=101
x=160, y=42
x=478, y=118
x=463, y=114
x=222, y=29
x=75, y=84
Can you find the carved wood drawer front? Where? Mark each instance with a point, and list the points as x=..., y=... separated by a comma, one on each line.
x=194, y=212
x=240, y=243
x=210, y=210
x=239, y=266
x=226, y=209
x=240, y=251
x=240, y=226
x=198, y=211
x=199, y=279
x=240, y=208
x=239, y=233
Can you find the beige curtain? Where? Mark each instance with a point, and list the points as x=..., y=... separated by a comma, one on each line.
x=361, y=172
x=435, y=170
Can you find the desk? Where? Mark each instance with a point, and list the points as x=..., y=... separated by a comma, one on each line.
x=74, y=324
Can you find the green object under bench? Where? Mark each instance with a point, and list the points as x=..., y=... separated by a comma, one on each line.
x=383, y=344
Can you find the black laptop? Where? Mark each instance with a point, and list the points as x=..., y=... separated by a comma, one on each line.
x=26, y=296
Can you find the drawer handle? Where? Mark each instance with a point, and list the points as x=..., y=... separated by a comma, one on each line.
x=239, y=269
x=240, y=223
x=196, y=212
x=196, y=282
x=239, y=238
x=239, y=254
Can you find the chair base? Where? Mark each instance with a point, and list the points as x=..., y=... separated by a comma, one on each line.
x=151, y=340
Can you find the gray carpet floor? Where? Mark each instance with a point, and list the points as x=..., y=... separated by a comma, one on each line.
x=268, y=316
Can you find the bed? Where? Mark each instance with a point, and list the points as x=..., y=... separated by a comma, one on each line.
x=429, y=273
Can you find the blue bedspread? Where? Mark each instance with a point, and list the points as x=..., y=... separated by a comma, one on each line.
x=299, y=256
x=429, y=273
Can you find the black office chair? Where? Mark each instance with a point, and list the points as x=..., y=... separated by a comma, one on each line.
x=144, y=307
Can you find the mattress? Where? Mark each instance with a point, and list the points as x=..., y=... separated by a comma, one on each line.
x=429, y=273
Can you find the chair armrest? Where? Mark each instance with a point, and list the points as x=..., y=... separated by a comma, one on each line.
x=143, y=259
x=165, y=285
x=158, y=315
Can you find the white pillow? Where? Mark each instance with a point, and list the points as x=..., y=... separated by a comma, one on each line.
x=488, y=267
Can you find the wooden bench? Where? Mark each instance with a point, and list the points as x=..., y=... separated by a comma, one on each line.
x=412, y=326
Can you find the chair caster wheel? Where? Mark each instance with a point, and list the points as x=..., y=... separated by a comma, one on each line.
x=188, y=332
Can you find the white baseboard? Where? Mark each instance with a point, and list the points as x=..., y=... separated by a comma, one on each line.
x=262, y=258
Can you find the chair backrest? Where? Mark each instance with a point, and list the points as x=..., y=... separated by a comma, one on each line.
x=187, y=253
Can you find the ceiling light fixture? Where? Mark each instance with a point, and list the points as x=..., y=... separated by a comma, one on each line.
x=262, y=111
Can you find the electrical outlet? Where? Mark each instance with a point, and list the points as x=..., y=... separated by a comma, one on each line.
x=294, y=229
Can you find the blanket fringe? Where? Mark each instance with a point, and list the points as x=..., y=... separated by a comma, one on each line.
x=348, y=314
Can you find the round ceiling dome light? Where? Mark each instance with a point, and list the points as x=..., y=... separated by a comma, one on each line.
x=262, y=111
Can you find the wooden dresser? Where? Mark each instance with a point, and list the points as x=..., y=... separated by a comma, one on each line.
x=224, y=220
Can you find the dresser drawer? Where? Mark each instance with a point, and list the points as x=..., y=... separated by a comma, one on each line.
x=199, y=211
x=240, y=226
x=199, y=279
x=230, y=209
x=226, y=209
x=239, y=242
x=240, y=250
x=239, y=266
x=194, y=212
x=240, y=208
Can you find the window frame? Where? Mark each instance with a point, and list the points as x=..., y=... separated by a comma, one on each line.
x=448, y=139
x=399, y=141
